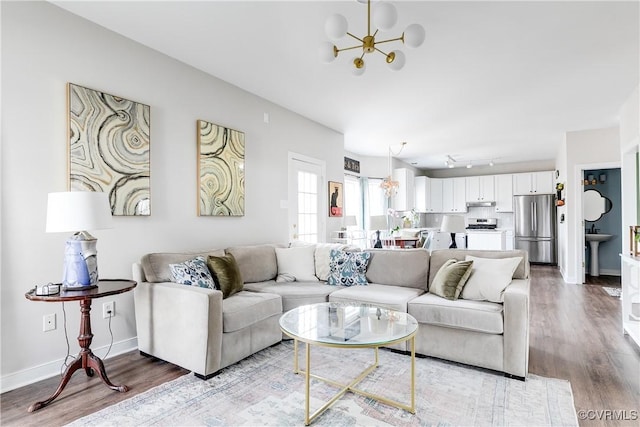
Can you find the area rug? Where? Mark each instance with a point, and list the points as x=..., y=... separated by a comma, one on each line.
x=262, y=390
x=614, y=292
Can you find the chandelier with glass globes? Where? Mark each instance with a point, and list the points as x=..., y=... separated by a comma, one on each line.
x=384, y=18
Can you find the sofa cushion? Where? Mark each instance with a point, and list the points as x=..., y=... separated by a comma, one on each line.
x=226, y=274
x=348, y=268
x=294, y=294
x=393, y=297
x=248, y=308
x=192, y=272
x=296, y=264
x=489, y=278
x=440, y=256
x=156, y=266
x=406, y=268
x=451, y=278
x=257, y=263
x=482, y=316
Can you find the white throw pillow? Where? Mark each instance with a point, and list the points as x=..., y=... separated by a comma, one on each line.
x=296, y=264
x=489, y=278
x=322, y=258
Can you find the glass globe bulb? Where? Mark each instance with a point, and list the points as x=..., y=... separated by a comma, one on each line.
x=336, y=26
x=385, y=16
x=398, y=61
x=414, y=35
x=326, y=52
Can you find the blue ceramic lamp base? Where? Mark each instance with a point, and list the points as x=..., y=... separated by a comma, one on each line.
x=80, y=262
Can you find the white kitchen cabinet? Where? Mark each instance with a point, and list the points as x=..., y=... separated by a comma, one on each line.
x=436, y=190
x=403, y=200
x=533, y=183
x=504, y=193
x=422, y=190
x=454, y=195
x=480, y=188
x=486, y=240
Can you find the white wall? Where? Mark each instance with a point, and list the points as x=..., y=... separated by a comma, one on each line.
x=629, y=146
x=562, y=225
x=587, y=149
x=43, y=48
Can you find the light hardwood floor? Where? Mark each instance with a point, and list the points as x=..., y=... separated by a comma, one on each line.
x=575, y=335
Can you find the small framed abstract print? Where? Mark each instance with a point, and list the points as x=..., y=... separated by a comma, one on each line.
x=220, y=170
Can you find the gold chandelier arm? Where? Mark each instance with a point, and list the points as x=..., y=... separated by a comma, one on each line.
x=392, y=40
x=355, y=37
x=350, y=48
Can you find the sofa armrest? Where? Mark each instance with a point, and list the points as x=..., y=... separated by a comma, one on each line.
x=516, y=327
x=180, y=324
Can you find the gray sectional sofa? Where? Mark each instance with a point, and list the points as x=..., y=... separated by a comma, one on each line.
x=197, y=329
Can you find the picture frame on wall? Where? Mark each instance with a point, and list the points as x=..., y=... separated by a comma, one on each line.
x=109, y=149
x=220, y=170
x=336, y=199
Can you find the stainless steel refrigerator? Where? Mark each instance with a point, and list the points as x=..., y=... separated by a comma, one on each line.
x=535, y=227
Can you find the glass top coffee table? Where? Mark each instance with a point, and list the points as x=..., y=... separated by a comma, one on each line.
x=345, y=326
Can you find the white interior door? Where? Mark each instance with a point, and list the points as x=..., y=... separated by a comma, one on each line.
x=306, y=199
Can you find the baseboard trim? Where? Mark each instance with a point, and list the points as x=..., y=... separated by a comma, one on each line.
x=608, y=272
x=50, y=369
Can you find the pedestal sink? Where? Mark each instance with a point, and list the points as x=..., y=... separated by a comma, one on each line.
x=594, y=242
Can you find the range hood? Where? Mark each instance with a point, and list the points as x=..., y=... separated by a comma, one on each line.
x=482, y=204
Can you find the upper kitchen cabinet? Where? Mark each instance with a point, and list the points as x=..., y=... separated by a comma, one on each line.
x=404, y=200
x=504, y=193
x=533, y=183
x=480, y=188
x=436, y=190
x=454, y=195
x=422, y=193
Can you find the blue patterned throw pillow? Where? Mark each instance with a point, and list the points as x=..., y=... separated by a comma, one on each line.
x=348, y=268
x=193, y=272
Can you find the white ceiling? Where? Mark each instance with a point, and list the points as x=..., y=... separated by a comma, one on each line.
x=494, y=80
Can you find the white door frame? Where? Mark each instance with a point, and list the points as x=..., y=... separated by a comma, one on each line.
x=292, y=188
x=579, y=169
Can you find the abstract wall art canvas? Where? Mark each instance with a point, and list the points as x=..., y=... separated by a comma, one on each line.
x=109, y=142
x=220, y=170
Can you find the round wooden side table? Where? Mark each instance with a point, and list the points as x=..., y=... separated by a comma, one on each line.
x=86, y=359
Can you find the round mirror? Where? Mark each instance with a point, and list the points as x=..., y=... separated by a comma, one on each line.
x=595, y=205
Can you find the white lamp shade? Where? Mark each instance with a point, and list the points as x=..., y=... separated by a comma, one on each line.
x=414, y=35
x=336, y=26
x=350, y=221
x=398, y=62
x=385, y=16
x=452, y=224
x=378, y=222
x=326, y=52
x=78, y=211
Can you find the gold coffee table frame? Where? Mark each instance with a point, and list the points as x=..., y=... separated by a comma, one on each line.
x=351, y=386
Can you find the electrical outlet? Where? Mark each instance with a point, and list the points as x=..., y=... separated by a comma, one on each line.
x=108, y=309
x=48, y=322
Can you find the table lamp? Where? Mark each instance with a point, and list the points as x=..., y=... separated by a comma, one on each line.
x=350, y=221
x=453, y=224
x=378, y=222
x=79, y=211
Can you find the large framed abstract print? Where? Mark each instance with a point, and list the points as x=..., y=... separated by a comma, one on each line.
x=109, y=148
x=220, y=170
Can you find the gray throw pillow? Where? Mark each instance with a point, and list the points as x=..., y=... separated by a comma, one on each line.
x=226, y=274
x=451, y=278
